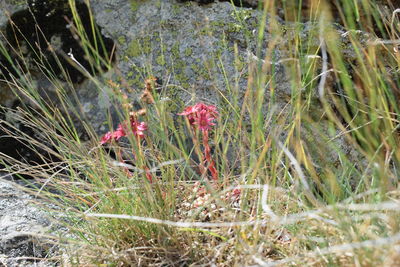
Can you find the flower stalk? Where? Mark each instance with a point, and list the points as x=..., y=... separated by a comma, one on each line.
x=201, y=117
x=137, y=129
x=208, y=157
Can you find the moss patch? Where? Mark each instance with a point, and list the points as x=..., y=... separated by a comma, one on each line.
x=188, y=52
x=122, y=40
x=175, y=51
x=133, y=49
x=16, y=2
x=135, y=4
x=160, y=60
x=201, y=71
x=139, y=46
x=136, y=81
x=146, y=44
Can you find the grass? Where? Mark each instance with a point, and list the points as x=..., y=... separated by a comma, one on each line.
x=318, y=175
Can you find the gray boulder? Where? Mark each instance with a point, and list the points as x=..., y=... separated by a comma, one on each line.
x=200, y=50
x=23, y=227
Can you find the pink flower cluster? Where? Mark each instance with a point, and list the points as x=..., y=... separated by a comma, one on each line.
x=137, y=128
x=201, y=115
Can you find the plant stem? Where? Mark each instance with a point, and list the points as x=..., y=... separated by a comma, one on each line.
x=208, y=158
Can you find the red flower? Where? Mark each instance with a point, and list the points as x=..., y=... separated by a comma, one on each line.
x=188, y=112
x=137, y=129
x=201, y=114
x=212, y=110
x=107, y=137
x=204, y=120
x=120, y=132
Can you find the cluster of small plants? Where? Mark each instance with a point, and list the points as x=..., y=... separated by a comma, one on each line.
x=200, y=119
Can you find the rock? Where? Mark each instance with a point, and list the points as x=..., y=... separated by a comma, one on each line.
x=203, y=51
x=33, y=49
x=17, y=148
x=240, y=3
x=30, y=50
x=190, y=45
x=22, y=228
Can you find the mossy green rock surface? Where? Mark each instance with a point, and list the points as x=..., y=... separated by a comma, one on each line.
x=201, y=50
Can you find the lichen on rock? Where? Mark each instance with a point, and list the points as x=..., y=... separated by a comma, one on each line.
x=185, y=41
